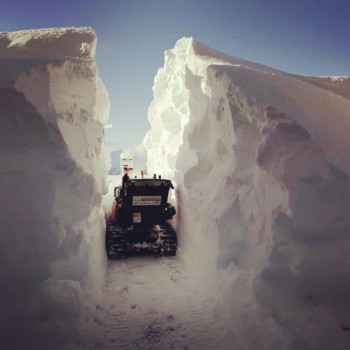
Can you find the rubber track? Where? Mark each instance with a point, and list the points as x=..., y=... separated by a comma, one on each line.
x=168, y=240
x=116, y=242
x=116, y=245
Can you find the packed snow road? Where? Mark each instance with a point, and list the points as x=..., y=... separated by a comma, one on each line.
x=155, y=303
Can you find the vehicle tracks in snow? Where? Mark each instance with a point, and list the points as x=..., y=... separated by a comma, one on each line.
x=155, y=303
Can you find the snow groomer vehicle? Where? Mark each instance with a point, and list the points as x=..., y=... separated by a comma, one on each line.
x=139, y=218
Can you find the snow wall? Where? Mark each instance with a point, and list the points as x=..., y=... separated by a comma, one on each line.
x=53, y=108
x=261, y=164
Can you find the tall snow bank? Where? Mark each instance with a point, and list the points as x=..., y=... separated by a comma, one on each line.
x=53, y=108
x=261, y=163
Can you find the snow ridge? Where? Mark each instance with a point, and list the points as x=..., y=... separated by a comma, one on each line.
x=53, y=108
x=259, y=158
x=50, y=43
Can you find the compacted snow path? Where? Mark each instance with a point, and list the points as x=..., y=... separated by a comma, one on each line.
x=155, y=303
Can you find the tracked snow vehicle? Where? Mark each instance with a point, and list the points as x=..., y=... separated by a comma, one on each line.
x=139, y=219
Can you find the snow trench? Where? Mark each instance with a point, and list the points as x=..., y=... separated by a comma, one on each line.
x=261, y=166
x=53, y=108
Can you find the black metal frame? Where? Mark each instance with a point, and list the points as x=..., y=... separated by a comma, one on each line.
x=149, y=214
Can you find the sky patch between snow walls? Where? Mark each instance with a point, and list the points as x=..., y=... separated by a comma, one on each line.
x=53, y=108
x=261, y=167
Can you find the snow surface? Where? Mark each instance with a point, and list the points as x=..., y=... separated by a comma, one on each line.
x=53, y=108
x=260, y=160
x=155, y=303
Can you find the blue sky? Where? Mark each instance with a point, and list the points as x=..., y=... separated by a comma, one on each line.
x=308, y=37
